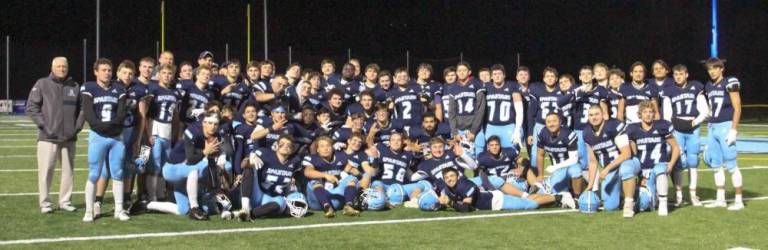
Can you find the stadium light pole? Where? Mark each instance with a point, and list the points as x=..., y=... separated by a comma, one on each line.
x=7, y=67
x=98, y=23
x=162, y=26
x=266, y=53
x=248, y=32
x=226, y=52
x=85, y=58
x=290, y=56
x=713, y=45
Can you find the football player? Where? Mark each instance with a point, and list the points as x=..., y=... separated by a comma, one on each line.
x=615, y=98
x=686, y=107
x=332, y=179
x=608, y=146
x=637, y=91
x=104, y=106
x=466, y=106
x=560, y=143
x=586, y=95
x=725, y=106
x=164, y=116
x=504, y=109
x=651, y=140
x=545, y=99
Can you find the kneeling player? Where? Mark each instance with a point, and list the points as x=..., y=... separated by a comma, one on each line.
x=188, y=162
x=561, y=145
x=267, y=180
x=332, y=178
x=652, y=141
x=608, y=146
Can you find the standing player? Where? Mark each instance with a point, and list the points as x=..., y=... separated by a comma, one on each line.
x=523, y=78
x=504, y=105
x=686, y=107
x=405, y=100
x=164, y=114
x=652, y=141
x=104, y=109
x=601, y=74
x=637, y=91
x=608, y=146
x=195, y=97
x=615, y=98
x=466, y=106
x=587, y=95
x=725, y=106
x=545, y=99
x=560, y=144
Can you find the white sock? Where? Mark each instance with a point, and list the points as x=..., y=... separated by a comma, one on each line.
x=693, y=194
x=165, y=207
x=90, y=193
x=721, y=194
x=627, y=200
x=736, y=178
x=693, y=178
x=720, y=178
x=738, y=199
x=192, y=189
x=117, y=192
x=662, y=185
x=246, y=203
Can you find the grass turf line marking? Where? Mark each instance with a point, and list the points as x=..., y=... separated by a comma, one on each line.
x=286, y=228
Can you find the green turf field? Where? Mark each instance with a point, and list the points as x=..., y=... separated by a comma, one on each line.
x=401, y=228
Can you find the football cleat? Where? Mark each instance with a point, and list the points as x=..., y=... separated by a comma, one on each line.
x=68, y=208
x=566, y=200
x=695, y=201
x=663, y=209
x=88, y=217
x=197, y=214
x=736, y=206
x=227, y=215
x=716, y=204
x=122, y=215
x=414, y=203
x=138, y=207
x=329, y=212
x=46, y=210
x=350, y=211
x=96, y=209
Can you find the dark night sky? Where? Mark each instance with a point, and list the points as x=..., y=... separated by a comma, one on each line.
x=564, y=34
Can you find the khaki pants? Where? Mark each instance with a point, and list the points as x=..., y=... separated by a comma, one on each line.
x=47, y=155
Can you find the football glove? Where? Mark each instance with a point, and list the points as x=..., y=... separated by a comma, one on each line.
x=730, y=139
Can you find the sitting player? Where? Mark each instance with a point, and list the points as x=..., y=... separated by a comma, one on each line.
x=332, y=179
x=267, y=179
x=652, y=141
x=392, y=165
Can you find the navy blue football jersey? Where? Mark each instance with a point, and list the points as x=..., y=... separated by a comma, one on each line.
x=614, y=97
x=192, y=134
x=720, y=105
x=244, y=145
x=466, y=189
x=498, y=165
x=585, y=99
x=602, y=143
x=334, y=166
x=544, y=102
x=105, y=101
x=408, y=107
x=382, y=136
x=194, y=98
x=683, y=98
x=558, y=146
x=392, y=165
x=136, y=92
x=652, y=147
x=275, y=176
x=164, y=102
x=500, y=108
x=300, y=135
x=430, y=89
x=633, y=96
x=433, y=168
x=237, y=95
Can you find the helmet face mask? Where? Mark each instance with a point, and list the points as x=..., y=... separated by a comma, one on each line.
x=297, y=204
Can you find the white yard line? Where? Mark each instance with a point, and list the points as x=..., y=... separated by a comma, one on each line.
x=286, y=228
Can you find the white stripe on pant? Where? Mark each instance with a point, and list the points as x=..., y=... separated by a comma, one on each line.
x=48, y=153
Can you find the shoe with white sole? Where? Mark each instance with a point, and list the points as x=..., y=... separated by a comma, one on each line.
x=68, y=207
x=567, y=201
x=96, y=209
x=629, y=209
x=46, y=210
x=695, y=201
x=88, y=217
x=122, y=215
x=411, y=203
x=736, y=206
x=716, y=204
